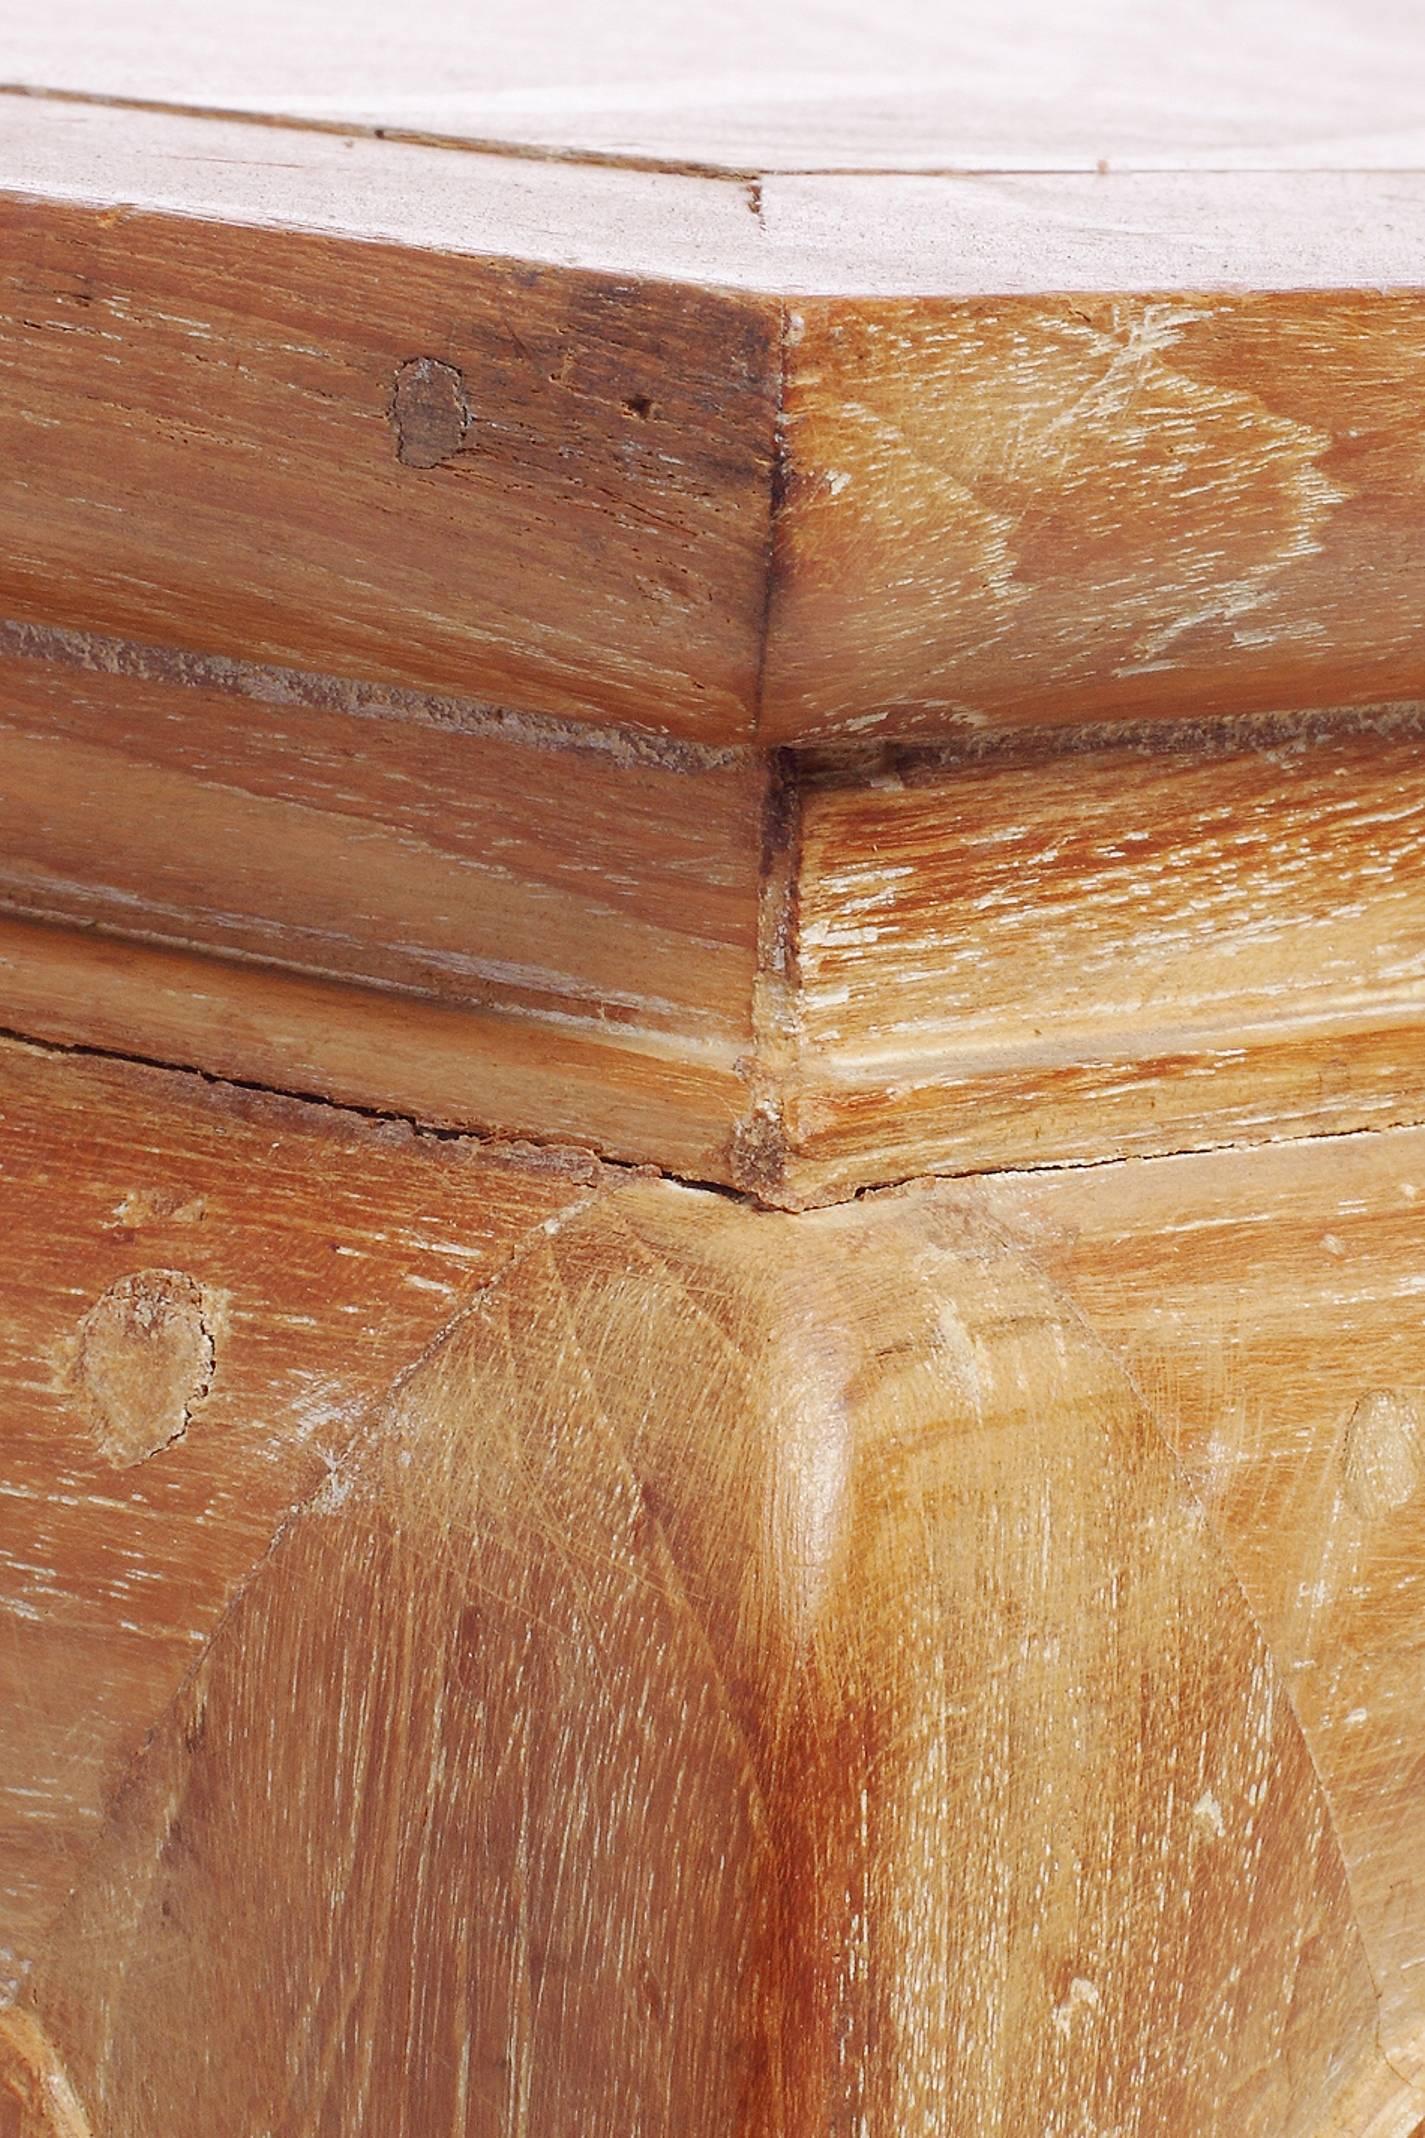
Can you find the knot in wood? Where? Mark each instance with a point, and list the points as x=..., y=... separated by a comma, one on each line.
x=145, y=1361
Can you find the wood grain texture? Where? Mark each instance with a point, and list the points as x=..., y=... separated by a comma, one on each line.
x=1117, y=451
x=799, y=974
x=36, y=2098
x=394, y=1054
x=1019, y=513
x=795, y=601
x=766, y=1675
x=1014, y=86
x=314, y=1256
x=854, y=234
x=1267, y=1306
x=1044, y=956
x=549, y=904
x=199, y=429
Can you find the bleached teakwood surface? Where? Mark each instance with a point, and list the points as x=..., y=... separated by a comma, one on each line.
x=947, y=1662
x=852, y=618
x=1044, y=954
x=400, y=901
x=776, y=459
x=799, y=974
x=204, y=1293
x=1015, y=231
x=990, y=85
x=1267, y=1307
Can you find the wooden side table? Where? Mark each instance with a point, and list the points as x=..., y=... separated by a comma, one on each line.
x=712, y=925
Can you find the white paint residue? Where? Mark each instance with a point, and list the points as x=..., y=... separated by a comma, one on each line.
x=1082, y=1997
x=1208, y=1813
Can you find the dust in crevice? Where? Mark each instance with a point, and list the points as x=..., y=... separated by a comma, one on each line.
x=310, y=690
x=759, y=1146
x=587, y=1161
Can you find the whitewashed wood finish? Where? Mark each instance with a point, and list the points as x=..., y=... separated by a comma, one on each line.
x=320, y=1254
x=1269, y=1306
x=1017, y=232
x=1051, y=955
x=685, y=497
x=801, y=976
x=791, y=1636
x=1021, y=84
x=1070, y=511
x=411, y=903
x=489, y=1643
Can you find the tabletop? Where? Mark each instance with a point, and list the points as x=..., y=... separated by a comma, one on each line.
x=806, y=86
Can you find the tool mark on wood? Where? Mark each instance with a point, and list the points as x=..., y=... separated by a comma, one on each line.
x=430, y=414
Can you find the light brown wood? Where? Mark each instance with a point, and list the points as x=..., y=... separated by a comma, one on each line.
x=36, y=2098
x=1003, y=514
x=399, y=1055
x=806, y=603
x=554, y=930
x=711, y=1574
x=1267, y=1307
x=689, y=494
x=313, y=1256
x=1045, y=955
x=203, y=446
x=801, y=975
